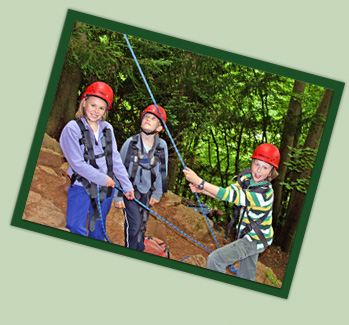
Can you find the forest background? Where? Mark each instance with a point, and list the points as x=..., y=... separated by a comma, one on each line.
x=218, y=113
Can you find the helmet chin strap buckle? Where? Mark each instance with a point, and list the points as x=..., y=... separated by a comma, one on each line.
x=149, y=133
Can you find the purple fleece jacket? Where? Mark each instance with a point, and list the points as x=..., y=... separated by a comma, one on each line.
x=73, y=151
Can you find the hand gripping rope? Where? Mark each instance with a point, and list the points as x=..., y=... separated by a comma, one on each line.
x=168, y=132
x=161, y=218
x=145, y=207
x=231, y=267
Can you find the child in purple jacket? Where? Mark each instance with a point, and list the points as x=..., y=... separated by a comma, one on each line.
x=89, y=145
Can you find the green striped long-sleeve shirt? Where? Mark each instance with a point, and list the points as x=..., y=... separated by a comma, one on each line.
x=257, y=206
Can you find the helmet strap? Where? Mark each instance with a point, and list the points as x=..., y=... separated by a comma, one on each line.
x=149, y=133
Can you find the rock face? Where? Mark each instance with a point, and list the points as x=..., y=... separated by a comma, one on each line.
x=46, y=204
x=43, y=211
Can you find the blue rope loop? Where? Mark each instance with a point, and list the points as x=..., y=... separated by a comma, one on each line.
x=233, y=269
x=100, y=214
x=168, y=132
x=161, y=218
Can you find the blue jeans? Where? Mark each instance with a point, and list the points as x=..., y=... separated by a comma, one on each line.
x=79, y=207
x=240, y=250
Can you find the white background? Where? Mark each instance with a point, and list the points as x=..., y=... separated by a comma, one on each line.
x=46, y=280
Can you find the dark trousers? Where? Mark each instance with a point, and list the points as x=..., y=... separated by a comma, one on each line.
x=136, y=218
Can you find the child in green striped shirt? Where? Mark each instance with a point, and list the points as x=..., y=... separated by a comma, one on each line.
x=254, y=194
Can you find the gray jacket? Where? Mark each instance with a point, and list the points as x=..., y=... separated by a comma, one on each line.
x=143, y=176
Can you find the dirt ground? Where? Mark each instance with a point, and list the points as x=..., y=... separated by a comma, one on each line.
x=46, y=204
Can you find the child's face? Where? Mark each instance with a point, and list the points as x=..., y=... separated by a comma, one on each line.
x=260, y=170
x=150, y=123
x=94, y=108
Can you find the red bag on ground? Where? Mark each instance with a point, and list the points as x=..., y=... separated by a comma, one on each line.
x=156, y=246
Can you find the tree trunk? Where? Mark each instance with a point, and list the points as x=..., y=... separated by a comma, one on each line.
x=297, y=198
x=237, y=157
x=65, y=102
x=172, y=172
x=288, y=135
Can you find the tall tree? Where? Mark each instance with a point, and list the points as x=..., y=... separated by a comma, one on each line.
x=298, y=197
x=291, y=123
x=64, y=104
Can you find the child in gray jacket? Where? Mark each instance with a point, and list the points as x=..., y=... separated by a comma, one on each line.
x=145, y=157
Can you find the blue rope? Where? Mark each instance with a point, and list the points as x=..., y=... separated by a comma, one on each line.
x=184, y=258
x=168, y=132
x=233, y=269
x=147, y=208
x=100, y=214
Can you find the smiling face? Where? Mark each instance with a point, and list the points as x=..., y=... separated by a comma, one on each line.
x=150, y=123
x=260, y=170
x=94, y=108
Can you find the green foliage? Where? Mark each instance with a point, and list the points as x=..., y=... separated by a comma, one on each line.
x=269, y=275
x=218, y=112
x=300, y=160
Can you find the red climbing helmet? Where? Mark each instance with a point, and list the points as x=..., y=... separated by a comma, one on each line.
x=153, y=110
x=268, y=153
x=101, y=90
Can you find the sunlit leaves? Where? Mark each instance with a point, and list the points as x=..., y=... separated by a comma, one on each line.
x=217, y=111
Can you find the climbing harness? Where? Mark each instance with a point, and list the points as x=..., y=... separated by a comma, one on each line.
x=253, y=225
x=140, y=160
x=260, y=188
x=168, y=132
x=90, y=157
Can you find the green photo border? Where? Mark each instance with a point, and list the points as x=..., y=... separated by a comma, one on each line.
x=73, y=16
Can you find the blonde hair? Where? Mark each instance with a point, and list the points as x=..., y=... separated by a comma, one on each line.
x=81, y=110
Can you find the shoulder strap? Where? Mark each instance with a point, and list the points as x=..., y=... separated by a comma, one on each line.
x=108, y=152
x=131, y=147
x=254, y=225
x=245, y=184
x=133, y=151
x=160, y=152
x=87, y=142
